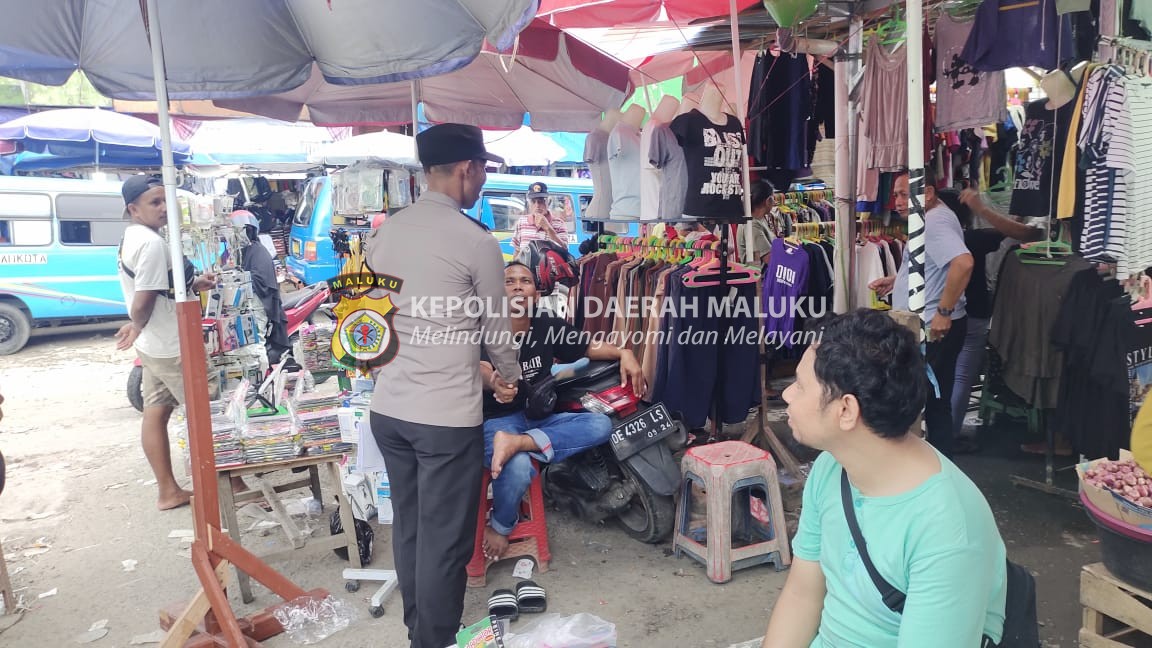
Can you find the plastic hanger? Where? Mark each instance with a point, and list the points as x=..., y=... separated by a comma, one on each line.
x=1045, y=253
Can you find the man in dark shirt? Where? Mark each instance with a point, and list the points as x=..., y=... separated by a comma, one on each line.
x=511, y=439
x=980, y=242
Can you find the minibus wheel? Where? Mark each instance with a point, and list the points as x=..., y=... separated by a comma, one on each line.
x=15, y=327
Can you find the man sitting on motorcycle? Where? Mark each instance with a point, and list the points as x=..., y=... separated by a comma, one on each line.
x=511, y=439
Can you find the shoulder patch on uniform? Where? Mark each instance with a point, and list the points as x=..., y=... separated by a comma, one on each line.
x=475, y=222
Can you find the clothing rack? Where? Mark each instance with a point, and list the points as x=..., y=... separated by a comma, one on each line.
x=783, y=197
x=613, y=242
x=1130, y=53
x=868, y=227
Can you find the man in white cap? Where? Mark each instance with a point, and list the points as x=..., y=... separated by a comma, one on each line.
x=446, y=283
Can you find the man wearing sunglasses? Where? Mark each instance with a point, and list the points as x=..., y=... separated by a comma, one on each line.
x=539, y=224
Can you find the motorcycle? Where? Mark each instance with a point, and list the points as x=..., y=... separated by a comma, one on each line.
x=301, y=307
x=633, y=477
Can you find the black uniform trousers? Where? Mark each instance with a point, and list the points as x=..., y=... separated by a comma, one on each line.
x=942, y=356
x=435, y=475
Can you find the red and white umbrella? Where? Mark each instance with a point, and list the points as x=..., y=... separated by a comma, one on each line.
x=610, y=13
x=564, y=83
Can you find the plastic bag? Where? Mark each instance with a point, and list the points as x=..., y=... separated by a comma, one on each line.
x=557, y=631
x=308, y=621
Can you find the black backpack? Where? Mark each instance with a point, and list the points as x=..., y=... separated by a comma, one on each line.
x=1021, y=629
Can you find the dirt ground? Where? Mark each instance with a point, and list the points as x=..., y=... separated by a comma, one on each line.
x=79, y=502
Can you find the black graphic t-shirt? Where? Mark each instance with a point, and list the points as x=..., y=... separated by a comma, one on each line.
x=714, y=155
x=549, y=340
x=1039, y=156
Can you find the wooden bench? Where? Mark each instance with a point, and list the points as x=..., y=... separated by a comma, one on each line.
x=1116, y=614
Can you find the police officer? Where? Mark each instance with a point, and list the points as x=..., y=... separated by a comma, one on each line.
x=427, y=409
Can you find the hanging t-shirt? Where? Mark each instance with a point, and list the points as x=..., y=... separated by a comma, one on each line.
x=624, y=165
x=869, y=268
x=965, y=97
x=784, y=284
x=1039, y=155
x=596, y=156
x=713, y=153
x=649, y=176
x=667, y=158
x=1008, y=33
x=549, y=340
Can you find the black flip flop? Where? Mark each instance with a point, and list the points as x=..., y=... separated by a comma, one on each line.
x=530, y=597
x=502, y=605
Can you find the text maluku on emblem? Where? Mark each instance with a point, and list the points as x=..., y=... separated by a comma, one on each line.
x=364, y=337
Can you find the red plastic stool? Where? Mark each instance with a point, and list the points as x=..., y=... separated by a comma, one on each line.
x=728, y=472
x=528, y=538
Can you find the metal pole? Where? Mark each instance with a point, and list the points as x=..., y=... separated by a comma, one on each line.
x=742, y=112
x=914, y=44
x=855, y=47
x=844, y=240
x=206, y=505
x=415, y=116
x=169, y=166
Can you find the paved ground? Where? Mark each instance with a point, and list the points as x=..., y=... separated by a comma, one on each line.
x=78, y=504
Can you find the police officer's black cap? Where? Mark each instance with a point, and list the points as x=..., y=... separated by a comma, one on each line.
x=448, y=143
x=135, y=186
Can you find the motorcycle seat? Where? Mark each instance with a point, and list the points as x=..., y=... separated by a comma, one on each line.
x=292, y=300
x=593, y=371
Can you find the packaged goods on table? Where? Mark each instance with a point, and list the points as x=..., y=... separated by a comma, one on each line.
x=270, y=438
x=316, y=346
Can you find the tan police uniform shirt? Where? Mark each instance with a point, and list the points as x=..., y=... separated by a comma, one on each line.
x=441, y=255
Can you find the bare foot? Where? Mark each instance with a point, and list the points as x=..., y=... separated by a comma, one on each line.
x=495, y=545
x=504, y=446
x=176, y=500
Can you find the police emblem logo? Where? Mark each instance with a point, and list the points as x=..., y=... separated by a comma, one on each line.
x=364, y=333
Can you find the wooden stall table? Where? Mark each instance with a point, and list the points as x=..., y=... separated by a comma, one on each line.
x=266, y=491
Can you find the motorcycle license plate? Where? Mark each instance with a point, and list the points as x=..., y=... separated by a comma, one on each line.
x=641, y=430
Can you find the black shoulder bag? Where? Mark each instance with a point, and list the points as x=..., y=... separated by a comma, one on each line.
x=539, y=397
x=1020, y=627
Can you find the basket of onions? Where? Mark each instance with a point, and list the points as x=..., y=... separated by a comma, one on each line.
x=1118, y=498
x=1124, y=478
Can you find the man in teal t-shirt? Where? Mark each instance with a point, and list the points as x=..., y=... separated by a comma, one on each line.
x=929, y=530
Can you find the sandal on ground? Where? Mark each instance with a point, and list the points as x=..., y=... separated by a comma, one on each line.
x=531, y=598
x=502, y=605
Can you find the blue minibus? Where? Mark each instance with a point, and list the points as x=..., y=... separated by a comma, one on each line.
x=502, y=202
x=58, y=245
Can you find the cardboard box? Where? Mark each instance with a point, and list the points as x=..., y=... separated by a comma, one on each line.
x=1112, y=503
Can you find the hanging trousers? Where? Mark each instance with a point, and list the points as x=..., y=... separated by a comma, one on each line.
x=941, y=356
x=435, y=476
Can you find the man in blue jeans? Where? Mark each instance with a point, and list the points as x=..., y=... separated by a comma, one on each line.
x=511, y=439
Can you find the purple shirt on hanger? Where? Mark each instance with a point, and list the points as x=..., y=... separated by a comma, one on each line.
x=785, y=282
x=1007, y=34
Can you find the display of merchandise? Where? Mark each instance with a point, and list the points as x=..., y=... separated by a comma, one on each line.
x=318, y=425
x=315, y=353
x=271, y=438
